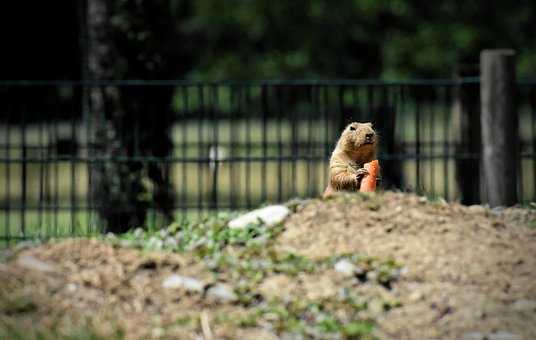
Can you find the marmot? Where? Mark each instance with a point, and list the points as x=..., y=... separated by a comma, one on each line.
x=356, y=147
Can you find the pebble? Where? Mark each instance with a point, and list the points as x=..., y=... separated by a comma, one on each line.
x=490, y=336
x=71, y=287
x=345, y=267
x=222, y=293
x=30, y=262
x=187, y=283
x=372, y=276
x=138, y=232
x=270, y=216
x=25, y=245
x=158, y=332
x=476, y=209
x=524, y=305
x=503, y=336
x=415, y=296
x=473, y=336
x=154, y=243
x=171, y=242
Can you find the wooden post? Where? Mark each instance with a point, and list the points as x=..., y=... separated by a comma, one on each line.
x=499, y=119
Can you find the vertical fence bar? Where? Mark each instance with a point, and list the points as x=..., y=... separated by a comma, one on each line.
x=264, y=122
x=56, y=176
x=72, y=154
x=7, y=151
x=42, y=162
x=86, y=112
x=532, y=99
x=214, y=153
x=431, y=148
x=248, y=118
x=232, y=146
x=308, y=152
x=184, y=140
x=499, y=126
x=200, y=151
x=24, y=174
x=446, y=102
x=279, y=137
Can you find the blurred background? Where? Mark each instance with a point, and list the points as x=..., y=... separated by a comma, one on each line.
x=127, y=113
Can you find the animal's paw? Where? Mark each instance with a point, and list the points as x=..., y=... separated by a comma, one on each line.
x=361, y=172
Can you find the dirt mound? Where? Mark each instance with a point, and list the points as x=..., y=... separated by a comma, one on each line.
x=116, y=289
x=392, y=265
x=466, y=269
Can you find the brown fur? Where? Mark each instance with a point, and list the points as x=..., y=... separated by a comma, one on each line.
x=351, y=152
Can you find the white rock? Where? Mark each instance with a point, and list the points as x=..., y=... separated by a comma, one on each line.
x=270, y=216
x=503, y=336
x=170, y=242
x=473, y=336
x=71, y=287
x=30, y=262
x=154, y=243
x=345, y=267
x=524, y=305
x=184, y=282
x=138, y=232
x=222, y=293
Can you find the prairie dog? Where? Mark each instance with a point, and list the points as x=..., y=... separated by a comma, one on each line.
x=356, y=146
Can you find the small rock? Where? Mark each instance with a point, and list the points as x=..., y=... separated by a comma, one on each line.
x=154, y=243
x=524, y=305
x=71, y=287
x=6, y=254
x=498, y=210
x=222, y=293
x=138, y=232
x=25, y=245
x=125, y=243
x=376, y=307
x=184, y=282
x=476, y=209
x=415, y=296
x=30, y=262
x=270, y=216
x=345, y=267
x=503, y=336
x=163, y=233
x=473, y=336
x=158, y=332
x=372, y=276
x=170, y=242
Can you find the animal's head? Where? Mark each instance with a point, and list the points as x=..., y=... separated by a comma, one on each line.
x=359, y=137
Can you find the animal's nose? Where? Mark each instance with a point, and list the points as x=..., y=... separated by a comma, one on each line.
x=369, y=136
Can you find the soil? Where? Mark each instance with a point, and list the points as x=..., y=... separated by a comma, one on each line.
x=466, y=271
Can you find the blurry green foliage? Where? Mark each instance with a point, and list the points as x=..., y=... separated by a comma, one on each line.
x=205, y=39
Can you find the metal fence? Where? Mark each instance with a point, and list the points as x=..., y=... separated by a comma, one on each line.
x=181, y=150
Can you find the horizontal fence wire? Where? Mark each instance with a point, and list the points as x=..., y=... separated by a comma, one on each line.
x=86, y=157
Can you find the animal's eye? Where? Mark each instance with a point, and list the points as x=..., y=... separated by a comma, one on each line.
x=352, y=128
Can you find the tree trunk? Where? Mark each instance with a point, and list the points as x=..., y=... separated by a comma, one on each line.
x=500, y=136
x=115, y=187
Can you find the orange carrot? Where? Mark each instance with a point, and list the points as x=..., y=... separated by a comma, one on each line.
x=368, y=183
